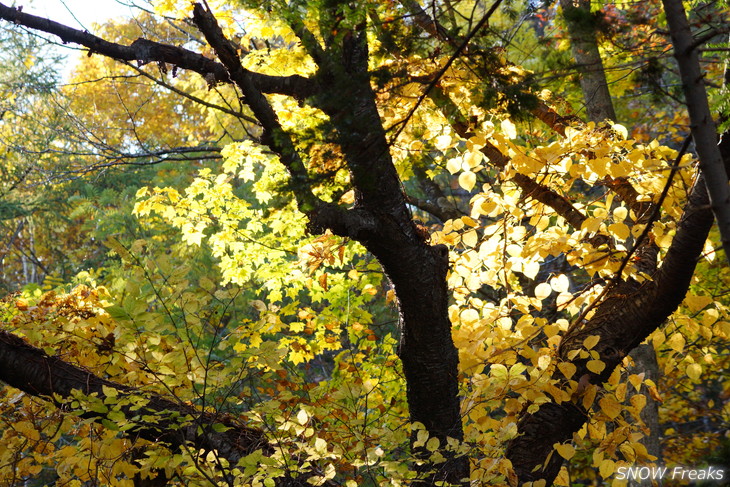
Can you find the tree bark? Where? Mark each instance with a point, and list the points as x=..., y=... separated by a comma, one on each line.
x=702, y=124
x=416, y=269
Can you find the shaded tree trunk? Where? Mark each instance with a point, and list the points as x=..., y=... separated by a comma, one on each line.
x=384, y=225
x=702, y=124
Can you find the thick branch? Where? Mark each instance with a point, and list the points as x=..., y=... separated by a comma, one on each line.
x=357, y=223
x=31, y=370
x=623, y=320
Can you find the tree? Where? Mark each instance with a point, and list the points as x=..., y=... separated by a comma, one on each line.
x=524, y=297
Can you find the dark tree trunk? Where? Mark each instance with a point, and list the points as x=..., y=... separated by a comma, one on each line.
x=416, y=270
x=702, y=124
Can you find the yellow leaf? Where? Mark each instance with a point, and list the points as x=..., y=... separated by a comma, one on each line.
x=627, y=452
x=443, y=142
x=421, y=438
x=565, y=450
x=453, y=165
x=636, y=380
x=560, y=283
x=610, y=406
x=694, y=371
x=676, y=342
x=467, y=180
x=696, y=303
x=530, y=269
x=638, y=401
x=591, y=341
x=348, y=198
x=302, y=417
x=591, y=224
x=498, y=371
x=508, y=129
x=469, y=316
x=27, y=430
x=654, y=393
x=470, y=238
x=606, y=468
x=473, y=158
x=320, y=446
x=620, y=230
x=543, y=290
x=567, y=369
x=596, y=366
x=620, y=213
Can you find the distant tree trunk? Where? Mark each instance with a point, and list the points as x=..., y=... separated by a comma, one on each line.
x=584, y=44
x=644, y=357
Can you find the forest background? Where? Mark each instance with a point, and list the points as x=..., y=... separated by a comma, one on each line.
x=365, y=243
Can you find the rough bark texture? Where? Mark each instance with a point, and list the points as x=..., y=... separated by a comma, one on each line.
x=384, y=226
x=703, y=126
x=581, y=28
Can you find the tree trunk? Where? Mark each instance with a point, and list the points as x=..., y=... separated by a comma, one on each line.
x=581, y=28
x=416, y=270
x=703, y=127
x=645, y=361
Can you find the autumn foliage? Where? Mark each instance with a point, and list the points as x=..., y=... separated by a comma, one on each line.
x=330, y=243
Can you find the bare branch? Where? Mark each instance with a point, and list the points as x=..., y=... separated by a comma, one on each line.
x=146, y=51
x=274, y=135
